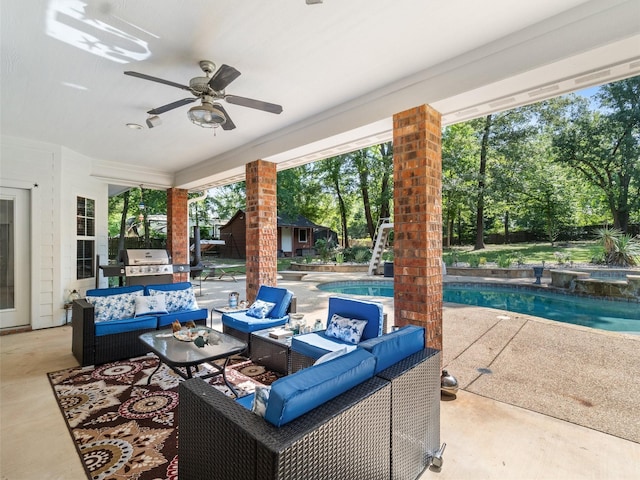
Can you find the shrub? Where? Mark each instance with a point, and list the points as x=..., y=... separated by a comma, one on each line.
x=504, y=261
x=362, y=255
x=562, y=257
x=449, y=259
x=483, y=261
x=339, y=257
x=324, y=249
x=620, y=249
x=474, y=261
x=357, y=253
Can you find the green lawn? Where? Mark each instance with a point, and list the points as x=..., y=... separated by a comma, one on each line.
x=528, y=253
x=525, y=253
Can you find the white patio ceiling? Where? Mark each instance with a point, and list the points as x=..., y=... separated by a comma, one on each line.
x=340, y=69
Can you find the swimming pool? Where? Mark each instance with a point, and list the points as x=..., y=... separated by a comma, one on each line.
x=615, y=316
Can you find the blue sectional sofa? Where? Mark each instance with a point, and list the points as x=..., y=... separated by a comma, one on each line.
x=107, y=322
x=369, y=413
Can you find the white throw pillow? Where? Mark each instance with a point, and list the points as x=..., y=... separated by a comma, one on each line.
x=346, y=329
x=150, y=304
x=260, y=400
x=335, y=354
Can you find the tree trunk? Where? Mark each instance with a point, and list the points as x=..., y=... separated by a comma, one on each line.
x=386, y=151
x=364, y=189
x=506, y=227
x=343, y=216
x=147, y=241
x=481, y=184
x=123, y=223
x=459, y=226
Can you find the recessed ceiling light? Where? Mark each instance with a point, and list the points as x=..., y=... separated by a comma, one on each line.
x=134, y=126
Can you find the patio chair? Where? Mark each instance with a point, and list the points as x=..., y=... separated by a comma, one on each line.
x=309, y=347
x=242, y=324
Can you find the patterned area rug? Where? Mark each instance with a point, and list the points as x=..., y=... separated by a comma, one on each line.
x=125, y=429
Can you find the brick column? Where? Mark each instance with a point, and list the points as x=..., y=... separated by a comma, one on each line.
x=177, y=229
x=262, y=226
x=417, y=197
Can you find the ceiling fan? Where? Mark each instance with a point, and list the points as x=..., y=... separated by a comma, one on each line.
x=209, y=89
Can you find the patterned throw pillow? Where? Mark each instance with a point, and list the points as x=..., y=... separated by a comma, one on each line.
x=260, y=309
x=114, y=307
x=150, y=304
x=260, y=400
x=177, y=300
x=346, y=329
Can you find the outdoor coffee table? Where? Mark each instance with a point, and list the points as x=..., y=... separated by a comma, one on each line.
x=178, y=353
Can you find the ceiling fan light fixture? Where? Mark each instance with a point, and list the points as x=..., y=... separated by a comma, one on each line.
x=206, y=115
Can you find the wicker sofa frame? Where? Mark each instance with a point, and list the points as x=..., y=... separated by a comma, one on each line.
x=385, y=428
x=92, y=350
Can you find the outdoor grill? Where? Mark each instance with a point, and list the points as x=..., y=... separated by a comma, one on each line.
x=144, y=267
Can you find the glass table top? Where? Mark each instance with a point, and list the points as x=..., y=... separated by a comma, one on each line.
x=179, y=352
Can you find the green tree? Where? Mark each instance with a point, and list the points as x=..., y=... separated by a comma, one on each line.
x=604, y=146
x=459, y=175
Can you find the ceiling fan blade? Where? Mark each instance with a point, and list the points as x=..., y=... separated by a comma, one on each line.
x=156, y=79
x=257, y=104
x=228, y=125
x=223, y=77
x=171, y=106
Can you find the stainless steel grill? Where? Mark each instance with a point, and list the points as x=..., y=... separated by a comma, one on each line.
x=143, y=262
x=143, y=267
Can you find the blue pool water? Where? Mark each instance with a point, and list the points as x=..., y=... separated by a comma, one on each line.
x=616, y=316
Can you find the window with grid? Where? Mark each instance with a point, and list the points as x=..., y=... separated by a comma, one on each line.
x=85, y=231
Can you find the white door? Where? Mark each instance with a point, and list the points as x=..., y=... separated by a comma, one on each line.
x=14, y=258
x=287, y=242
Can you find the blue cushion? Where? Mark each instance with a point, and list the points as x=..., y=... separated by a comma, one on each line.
x=280, y=296
x=246, y=401
x=297, y=394
x=316, y=344
x=184, y=316
x=103, y=292
x=125, y=325
x=167, y=287
x=244, y=323
x=361, y=309
x=395, y=346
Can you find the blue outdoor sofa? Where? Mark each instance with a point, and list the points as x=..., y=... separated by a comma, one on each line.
x=373, y=412
x=107, y=322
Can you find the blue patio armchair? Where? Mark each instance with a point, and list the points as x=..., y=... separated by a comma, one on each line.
x=309, y=347
x=242, y=324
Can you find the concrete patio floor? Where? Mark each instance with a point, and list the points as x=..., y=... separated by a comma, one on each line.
x=538, y=400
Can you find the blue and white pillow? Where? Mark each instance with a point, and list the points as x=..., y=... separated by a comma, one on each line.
x=260, y=400
x=345, y=329
x=177, y=300
x=260, y=309
x=150, y=305
x=114, y=307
